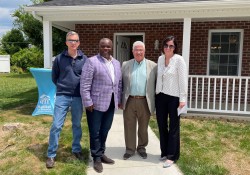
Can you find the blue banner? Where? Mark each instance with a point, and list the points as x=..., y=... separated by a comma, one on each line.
x=46, y=91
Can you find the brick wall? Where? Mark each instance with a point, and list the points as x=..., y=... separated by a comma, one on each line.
x=90, y=34
x=199, y=45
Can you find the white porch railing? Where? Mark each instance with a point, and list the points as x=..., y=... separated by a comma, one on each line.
x=220, y=94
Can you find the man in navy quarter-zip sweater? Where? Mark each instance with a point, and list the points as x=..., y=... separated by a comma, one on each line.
x=66, y=72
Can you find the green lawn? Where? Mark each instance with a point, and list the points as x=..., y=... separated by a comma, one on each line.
x=23, y=151
x=212, y=147
x=208, y=147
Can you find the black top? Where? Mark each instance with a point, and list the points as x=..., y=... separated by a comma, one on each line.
x=66, y=73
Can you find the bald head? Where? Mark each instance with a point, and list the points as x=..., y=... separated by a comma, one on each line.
x=105, y=48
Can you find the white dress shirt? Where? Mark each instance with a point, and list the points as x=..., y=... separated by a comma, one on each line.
x=111, y=68
x=172, y=79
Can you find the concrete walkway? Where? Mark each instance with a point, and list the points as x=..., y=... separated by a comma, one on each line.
x=135, y=165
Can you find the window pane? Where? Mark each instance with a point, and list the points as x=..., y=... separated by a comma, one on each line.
x=224, y=53
x=233, y=60
x=214, y=59
x=232, y=70
x=214, y=69
x=216, y=38
x=234, y=48
x=224, y=38
x=234, y=42
x=224, y=48
x=222, y=70
x=224, y=60
x=215, y=48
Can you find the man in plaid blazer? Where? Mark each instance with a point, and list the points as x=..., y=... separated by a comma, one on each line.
x=101, y=86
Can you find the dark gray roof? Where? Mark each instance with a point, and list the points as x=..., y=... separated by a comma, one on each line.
x=107, y=2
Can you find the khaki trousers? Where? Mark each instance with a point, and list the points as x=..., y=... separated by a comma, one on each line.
x=136, y=111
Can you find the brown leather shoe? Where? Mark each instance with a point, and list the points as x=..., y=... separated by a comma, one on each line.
x=107, y=160
x=143, y=155
x=98, y=166
x=127, y=156
x=50, y=162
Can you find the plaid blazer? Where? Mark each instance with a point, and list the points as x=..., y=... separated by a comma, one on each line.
x=96, y=86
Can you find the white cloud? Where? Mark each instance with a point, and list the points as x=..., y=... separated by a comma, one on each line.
x=5, y=13
x=5, y=21
x=7, y=7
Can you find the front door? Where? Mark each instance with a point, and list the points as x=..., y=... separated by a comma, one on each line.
x=123, y=48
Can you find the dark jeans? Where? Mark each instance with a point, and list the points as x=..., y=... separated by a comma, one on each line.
x=99, y=124
x=169, y=125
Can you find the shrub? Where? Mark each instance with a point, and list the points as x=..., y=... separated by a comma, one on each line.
x=15, y=69
x=2, y=52
x=26, y=58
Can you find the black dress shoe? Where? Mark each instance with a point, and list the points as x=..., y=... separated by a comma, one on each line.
x=50, y=162
x=127, y=156
x=79, y=155
x=107, y=160
x=98, y=166
x=143, y=155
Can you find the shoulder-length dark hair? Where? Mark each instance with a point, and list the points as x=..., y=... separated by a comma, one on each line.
x=167, y=39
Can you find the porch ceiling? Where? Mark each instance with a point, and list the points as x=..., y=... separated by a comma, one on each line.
x=68, y=16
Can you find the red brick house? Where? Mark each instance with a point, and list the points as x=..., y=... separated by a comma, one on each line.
x=214, y=39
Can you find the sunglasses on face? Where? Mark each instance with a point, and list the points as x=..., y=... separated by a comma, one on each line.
x=169, y=46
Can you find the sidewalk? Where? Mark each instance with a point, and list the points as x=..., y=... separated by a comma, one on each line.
x=135, y=165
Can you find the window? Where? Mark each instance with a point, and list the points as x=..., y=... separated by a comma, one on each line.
x=224, y=53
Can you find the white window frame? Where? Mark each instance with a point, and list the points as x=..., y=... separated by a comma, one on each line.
x=241, y=31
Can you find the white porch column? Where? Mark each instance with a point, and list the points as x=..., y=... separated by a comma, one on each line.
x=47, y=43
x=186, y=46
x=186, y=41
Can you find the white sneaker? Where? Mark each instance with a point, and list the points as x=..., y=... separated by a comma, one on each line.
x=168, y=164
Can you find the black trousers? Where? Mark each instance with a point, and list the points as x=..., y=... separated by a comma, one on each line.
x=169, y=125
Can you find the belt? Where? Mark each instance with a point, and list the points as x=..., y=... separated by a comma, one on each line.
x=137, y=97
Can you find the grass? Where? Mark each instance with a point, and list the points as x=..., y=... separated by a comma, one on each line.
x=17, y=89
x=212, y=147
x=23, y=151
x=208, y=147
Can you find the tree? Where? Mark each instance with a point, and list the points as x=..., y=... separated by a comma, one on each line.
x=33, y=29
x=13, y=41
x=28, y=57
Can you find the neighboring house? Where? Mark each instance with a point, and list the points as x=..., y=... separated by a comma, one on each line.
x=214, y=38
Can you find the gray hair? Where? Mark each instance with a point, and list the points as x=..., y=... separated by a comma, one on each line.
x=138, y=43
x=71, y=33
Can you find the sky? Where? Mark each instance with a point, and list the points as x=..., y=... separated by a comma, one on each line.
x=7, y=7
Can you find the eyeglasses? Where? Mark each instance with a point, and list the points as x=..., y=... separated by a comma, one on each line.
x=138, y=50
x=73, y=41
x=169, y=46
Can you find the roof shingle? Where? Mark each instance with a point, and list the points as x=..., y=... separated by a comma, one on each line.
x=107, y=2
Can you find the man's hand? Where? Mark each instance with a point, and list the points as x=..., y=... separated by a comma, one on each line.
x=90, y=108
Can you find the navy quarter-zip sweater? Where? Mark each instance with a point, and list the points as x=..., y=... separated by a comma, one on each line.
x=66, y=73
